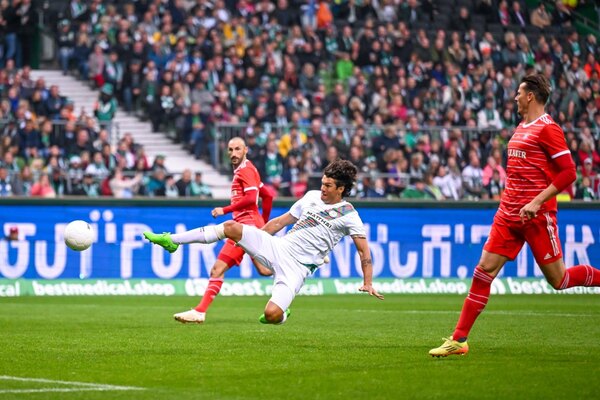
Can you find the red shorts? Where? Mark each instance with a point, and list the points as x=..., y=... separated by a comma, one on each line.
x=231, y=254
x=540, y=233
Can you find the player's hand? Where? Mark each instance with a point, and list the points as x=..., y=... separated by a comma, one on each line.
x=529, y=211
x=372, y=292
x=217, y=212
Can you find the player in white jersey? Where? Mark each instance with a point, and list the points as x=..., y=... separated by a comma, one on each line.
x=322, y=218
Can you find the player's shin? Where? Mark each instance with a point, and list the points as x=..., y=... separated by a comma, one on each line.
x=474, y=303
x=206, y=234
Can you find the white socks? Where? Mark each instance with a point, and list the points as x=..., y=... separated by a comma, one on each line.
x=284, y=318
x=206, y=234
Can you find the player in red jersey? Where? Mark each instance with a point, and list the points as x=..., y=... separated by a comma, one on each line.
x=539, y=167
x=246, y=188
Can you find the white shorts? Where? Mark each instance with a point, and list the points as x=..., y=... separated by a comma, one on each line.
x=271, y=251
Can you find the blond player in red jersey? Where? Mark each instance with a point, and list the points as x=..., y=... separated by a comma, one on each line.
x=539, y=167
x=246, y=188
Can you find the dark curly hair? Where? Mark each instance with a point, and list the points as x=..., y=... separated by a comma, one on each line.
x=343, y=172
x=539, y=85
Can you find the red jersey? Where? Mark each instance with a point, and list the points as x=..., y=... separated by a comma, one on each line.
x=246, y=182
x=530, y=168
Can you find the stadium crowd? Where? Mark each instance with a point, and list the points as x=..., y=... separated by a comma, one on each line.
x=418, y=94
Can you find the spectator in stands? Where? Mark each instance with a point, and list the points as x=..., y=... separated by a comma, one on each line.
x=495, y=186
x=199, y=188
x=159, y=163
x=518, y=15
x=24, y=182
x=416, y=190
x=97, y=168
x=540, y=17
x=106, y=106
x=43, y=187
x=122, y=187
x=194, y=130
x=171, y=189
x=491, y=167
x=96, y=63
x=66, y=44
x=184, y=184
x=273, y=165
x=294, y=138
x=585, y=191
x=132, y=86
x=81, y=55
x=11, y=25
x=54, y=103
x=489, y=117
x=27, y=23
x=473, y=178
x=561, y=16
x=6, y=183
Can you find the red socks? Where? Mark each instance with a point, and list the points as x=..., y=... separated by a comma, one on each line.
x=580, y=275
x=213, y=289
x=474, y=303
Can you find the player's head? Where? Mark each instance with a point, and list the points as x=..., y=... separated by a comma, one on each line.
x=338, y=180
x=534, y=88
x=237, y=150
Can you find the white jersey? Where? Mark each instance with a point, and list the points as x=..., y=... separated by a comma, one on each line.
x=320, y=227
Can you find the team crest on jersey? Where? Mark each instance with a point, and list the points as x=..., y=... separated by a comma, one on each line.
x=337, y=212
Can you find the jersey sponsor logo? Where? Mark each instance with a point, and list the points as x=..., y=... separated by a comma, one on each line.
x=309, y=220
x=517, y=153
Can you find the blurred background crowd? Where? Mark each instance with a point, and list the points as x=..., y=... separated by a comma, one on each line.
x=418, y=94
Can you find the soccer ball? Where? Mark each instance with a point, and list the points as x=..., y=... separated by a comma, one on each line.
x=78, y=235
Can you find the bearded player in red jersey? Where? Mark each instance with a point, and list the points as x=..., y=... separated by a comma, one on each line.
x=246, y=188
x=539, y=167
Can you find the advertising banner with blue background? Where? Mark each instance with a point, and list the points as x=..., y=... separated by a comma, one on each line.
x=405, y=243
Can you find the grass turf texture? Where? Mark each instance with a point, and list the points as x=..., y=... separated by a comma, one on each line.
x=332, y=347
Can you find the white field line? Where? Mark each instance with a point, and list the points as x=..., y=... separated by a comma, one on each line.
x=499, y=312
x=79, y=386
x=49, y=390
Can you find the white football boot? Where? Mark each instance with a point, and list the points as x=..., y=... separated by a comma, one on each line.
x=190, y=317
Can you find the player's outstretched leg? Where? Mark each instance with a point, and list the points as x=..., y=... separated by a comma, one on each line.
x=171, y=241
x=163, y=240
x=450, y=347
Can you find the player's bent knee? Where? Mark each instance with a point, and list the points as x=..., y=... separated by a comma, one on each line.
x=233, y=230
x=273, y=313
x=555, y=283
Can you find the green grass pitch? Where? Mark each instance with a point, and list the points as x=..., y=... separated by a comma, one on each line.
x=332, y=347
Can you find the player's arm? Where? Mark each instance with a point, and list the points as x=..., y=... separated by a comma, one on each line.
x=266, y=196
x=277, y=224
x=362, y=246
x=246, y=201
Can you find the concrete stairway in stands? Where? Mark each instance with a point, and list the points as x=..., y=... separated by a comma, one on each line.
x=176, y=158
